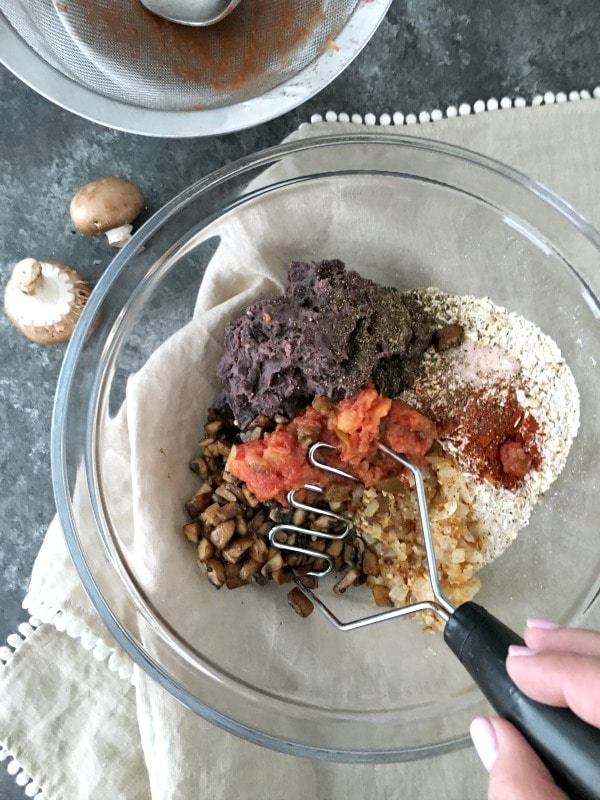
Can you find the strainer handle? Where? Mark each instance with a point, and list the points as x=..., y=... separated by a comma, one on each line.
x=569, y=747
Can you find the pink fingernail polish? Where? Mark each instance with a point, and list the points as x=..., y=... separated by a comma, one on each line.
x=484, y=739
x=519, y=650
x=536, y=622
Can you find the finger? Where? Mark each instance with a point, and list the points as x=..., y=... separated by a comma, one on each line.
x=558, y=679
x=516, y=772
x=540, y=637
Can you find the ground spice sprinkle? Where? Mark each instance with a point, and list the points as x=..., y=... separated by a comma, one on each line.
x=506, y=372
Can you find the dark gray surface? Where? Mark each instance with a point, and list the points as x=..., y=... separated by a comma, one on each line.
x=427, y=54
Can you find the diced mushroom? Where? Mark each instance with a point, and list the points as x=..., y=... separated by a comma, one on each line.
x=199, y=466
x=213, y=427
x=300, y=602
x=233, y=577
x=448, y=336
x=274, y=563
x=206, y=550
x=335, y=548
x=250, y=497
x=347, y=580
x=222, y=534
x=370, y=563
x=228, y=511
x=256, y=521
x=249, y=568
x=239, y=547
x=280, y=576
x=200, y=501
x=215, y=513
x=224, y=492
x=241, y=526
x=193, y=531
x=299, y=516
x=381, y=595
x=216, y=572
x=259, y=551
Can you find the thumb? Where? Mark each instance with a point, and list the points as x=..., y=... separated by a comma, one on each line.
x=516, y=772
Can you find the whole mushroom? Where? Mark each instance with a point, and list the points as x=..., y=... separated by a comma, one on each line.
x=107, y=205
x=44, y=299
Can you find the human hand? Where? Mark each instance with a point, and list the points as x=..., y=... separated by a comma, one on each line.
x=559, y=667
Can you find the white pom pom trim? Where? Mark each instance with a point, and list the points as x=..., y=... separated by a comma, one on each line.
x=398, y=118
x=22, y=778
x=15, y=640
x=44, y=611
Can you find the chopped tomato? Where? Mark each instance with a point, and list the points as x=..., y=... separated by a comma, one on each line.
x=278, y=462
x=273, y=464
x=514, y=459
x=308, y=426
x=355, y=422
x=405, y=430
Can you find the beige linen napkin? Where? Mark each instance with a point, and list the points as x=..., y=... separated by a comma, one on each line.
x=75, y=715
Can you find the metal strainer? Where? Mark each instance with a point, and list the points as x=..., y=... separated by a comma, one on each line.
x=267, y=50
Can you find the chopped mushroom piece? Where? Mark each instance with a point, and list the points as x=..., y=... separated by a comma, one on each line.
x=300, y=602
x=448, y=336
x=44, y=299
x=107, y=205
x=347, y=580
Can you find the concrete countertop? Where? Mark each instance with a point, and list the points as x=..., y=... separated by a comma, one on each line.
x=427, y=54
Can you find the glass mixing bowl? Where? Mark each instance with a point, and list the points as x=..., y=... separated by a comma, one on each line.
x=399, y=210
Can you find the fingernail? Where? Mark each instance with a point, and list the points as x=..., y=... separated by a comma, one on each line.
x=535, y=622
x=484, y=739
x=519, y=650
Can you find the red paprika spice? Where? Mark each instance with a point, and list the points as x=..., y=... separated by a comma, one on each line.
x=494, y=436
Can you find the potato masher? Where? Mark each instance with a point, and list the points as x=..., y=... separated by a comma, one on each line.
x=569, y=747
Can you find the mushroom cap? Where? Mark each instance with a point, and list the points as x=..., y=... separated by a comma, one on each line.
x=44, y=299
x=105, y=204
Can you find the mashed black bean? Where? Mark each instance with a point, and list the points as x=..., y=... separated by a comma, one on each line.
x=331, y=333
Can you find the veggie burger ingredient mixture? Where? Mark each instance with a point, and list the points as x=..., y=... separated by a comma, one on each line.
x=477, y=397
x=329, y=335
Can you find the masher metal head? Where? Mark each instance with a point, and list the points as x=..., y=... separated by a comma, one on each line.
x=440, y=605
x=569, y=747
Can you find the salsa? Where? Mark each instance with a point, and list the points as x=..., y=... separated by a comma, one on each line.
x=278, y=462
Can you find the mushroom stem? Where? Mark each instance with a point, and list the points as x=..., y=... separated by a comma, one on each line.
x=27, y=276
x=119, y=236
x=44, y=299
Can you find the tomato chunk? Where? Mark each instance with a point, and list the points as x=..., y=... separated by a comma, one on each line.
x=408, y=432
x=272, y=464
x=278, y=462
x=515, y=459
x=355, y=422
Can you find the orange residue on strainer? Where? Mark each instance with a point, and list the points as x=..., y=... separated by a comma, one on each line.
x=240, y=52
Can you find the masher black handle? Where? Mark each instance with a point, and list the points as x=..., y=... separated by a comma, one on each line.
x=569, y=747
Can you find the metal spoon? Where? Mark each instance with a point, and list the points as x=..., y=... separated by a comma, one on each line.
x=191, y=12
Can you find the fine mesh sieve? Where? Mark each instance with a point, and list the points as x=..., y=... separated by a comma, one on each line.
x=125, y=53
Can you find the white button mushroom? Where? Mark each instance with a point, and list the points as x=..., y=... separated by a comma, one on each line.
x=44, y=299
x=108, y=205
